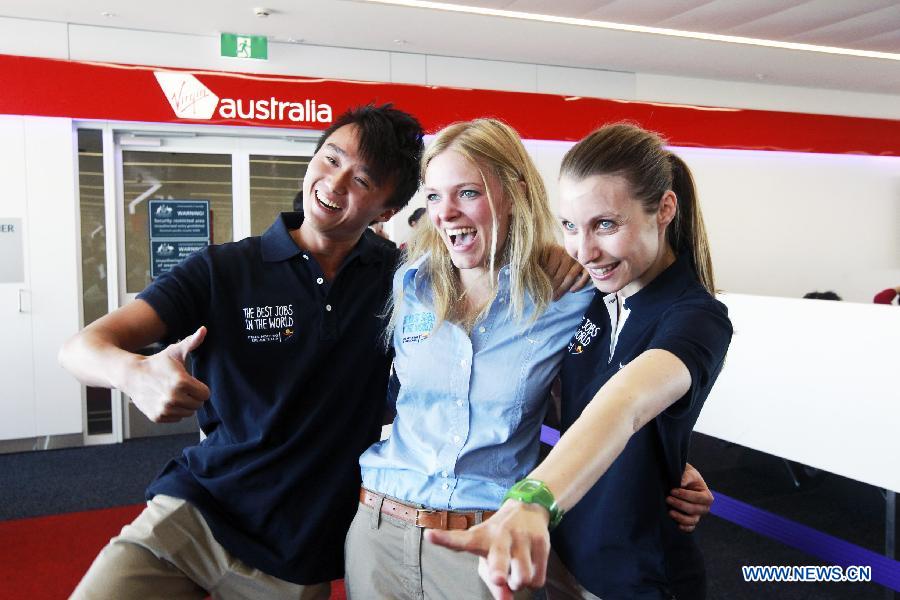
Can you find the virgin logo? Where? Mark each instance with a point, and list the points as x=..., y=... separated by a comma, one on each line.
x=189, y=98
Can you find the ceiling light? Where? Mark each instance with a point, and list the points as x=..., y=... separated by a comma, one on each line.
x=107, y=14
x=714, y=37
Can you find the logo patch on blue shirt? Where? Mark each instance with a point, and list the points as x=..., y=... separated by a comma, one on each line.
x=417, y=327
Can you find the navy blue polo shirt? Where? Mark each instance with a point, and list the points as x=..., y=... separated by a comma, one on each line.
x=297, y=375
x=619, y=541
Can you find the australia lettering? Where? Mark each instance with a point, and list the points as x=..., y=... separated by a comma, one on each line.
x=273, y=109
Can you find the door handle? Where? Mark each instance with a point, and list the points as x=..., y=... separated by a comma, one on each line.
x=21, y=304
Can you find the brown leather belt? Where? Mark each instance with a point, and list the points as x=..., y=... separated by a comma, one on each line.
x=424, y=517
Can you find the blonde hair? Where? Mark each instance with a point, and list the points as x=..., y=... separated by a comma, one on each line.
x=640, y=157
x=493, y=148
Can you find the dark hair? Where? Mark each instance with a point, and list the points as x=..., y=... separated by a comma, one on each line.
x=829, y=295
x=390, y=142
x=640, y=157
x=415, y=216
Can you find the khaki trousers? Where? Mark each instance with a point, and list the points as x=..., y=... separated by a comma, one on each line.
x=387, y=558
x=169, y=552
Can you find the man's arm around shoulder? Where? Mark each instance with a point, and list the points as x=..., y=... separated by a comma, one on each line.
x=104, y=354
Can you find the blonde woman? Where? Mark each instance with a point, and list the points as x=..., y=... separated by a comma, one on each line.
x=478, y=342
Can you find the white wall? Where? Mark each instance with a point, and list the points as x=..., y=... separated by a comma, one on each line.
x=783, y=224
x=39, y=186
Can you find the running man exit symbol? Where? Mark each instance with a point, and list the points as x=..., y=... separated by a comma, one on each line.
x=244, y=46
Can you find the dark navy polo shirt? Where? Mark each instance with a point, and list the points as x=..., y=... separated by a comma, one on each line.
x=619, y=541
x=298, y=376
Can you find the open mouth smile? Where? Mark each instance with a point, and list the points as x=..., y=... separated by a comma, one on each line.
x=461, y=237
x=325, y=203
x=604, y=272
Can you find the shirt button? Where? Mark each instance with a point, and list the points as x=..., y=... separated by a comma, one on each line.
x=459, y=402
x=328, y=307
x=462, y=363
x=444, y=474
x=481, y=329
x=456, y=438
x=446, y=486
x=306, y=257
x=320, y=281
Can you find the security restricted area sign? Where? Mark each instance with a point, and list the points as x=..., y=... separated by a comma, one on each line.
x=12, y=257
x=177, y=229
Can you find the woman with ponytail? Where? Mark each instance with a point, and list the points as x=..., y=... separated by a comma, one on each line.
x=634, y=379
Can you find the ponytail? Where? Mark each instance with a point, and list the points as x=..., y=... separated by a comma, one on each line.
x=687, y=232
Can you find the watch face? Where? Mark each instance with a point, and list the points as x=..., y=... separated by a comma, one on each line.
x=530, y=486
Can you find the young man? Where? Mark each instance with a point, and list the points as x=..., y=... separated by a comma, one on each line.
x=283, y=329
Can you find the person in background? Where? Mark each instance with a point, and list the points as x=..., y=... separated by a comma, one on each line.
x=829, y=295
x=413, y=222
x=634, y=378
x=378, y=229
x=887, y=296
x=413, y=219
x=283, y=331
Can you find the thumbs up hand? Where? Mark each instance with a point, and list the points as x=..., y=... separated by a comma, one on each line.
x=161, y=387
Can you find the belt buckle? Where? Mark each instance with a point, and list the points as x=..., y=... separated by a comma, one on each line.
x=421, y=511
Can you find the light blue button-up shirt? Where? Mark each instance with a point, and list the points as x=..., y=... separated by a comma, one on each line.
x=470, y=407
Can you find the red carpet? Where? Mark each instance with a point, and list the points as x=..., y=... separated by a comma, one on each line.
x=44, y=558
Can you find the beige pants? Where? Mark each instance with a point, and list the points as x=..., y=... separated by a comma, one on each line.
x=169, y=552
x=387, y=558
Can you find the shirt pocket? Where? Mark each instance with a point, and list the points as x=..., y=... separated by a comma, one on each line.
x=503, y=382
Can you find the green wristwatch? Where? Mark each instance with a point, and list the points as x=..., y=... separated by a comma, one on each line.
x=532, y=491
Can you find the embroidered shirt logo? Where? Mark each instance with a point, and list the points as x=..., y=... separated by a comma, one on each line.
x=583, y=337
x=417, y=327
x=269, y=323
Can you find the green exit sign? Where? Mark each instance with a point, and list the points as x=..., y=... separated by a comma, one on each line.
x=235, y=45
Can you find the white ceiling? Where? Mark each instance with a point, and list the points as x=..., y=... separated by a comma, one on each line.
x=856, y=24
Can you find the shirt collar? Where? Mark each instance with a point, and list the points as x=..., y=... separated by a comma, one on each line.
x=278, y=245
x=659, y=292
